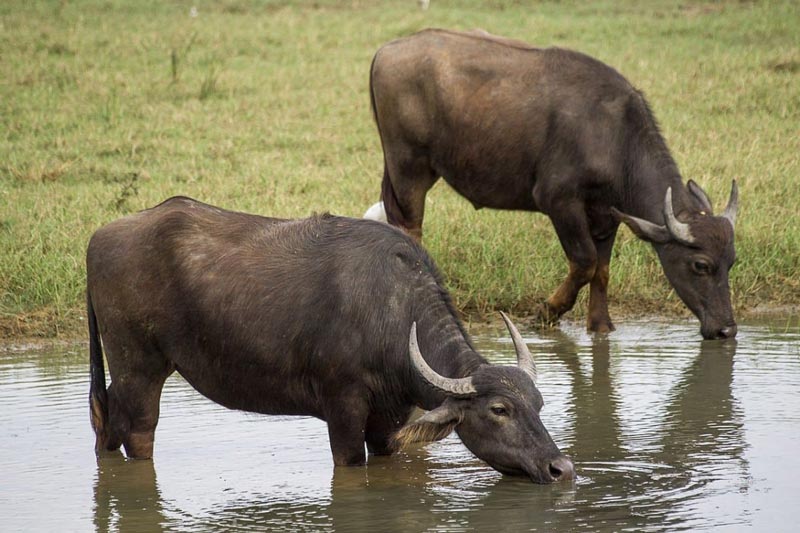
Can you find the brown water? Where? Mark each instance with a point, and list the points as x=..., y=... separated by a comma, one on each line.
x=668, y=432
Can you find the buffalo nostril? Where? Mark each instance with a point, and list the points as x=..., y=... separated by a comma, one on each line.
x=728, y=332
x=561, y=468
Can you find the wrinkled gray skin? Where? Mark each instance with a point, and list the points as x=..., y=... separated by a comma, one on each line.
x=510, y=126
x=298, y=317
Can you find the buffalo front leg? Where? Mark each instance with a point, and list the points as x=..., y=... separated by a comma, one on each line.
x=598, y=319
x=346, y=422
x=573, y=232
x=381, y=427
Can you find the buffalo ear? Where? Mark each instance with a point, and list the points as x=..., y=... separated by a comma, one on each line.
x=433, y=425
x=645, y=230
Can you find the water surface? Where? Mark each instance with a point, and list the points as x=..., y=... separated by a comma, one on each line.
x=668, y=432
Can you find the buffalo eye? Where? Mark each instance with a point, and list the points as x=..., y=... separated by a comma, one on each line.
x=701, y=267
x=499, y=410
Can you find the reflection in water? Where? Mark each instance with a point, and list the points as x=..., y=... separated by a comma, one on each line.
x=704, y=430
x=704, y=421
x=667, y=433
x=702, y=439
x=427, y=496
x=608, y=475
x=594, y=401
x=126, y=496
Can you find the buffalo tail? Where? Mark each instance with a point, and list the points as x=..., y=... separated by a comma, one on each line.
x=394, y=214
x=98, y=395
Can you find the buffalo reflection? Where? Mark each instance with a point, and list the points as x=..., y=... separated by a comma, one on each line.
x=438, y=487
x=126, y=495
x=698, y=441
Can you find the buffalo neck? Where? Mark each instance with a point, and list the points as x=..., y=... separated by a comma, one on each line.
x=443, y=342
x=649, y=169
x=645, y=187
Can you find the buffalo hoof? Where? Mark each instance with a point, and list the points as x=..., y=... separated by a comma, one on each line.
x=600, y=326
x=544, y=317
x=139, y=445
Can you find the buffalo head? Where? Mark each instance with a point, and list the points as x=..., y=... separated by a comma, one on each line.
x=495, y=412
x=696, y=253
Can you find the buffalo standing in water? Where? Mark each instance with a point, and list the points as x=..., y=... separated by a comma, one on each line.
x=510, y=126
x=327, y=317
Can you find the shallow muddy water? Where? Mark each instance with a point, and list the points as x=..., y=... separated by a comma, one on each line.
x=667, y=432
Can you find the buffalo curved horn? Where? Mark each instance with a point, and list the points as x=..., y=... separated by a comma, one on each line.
x=458, y=387
x=679, y=230
x=733, y=205
x=701, y=196
x=524, y=359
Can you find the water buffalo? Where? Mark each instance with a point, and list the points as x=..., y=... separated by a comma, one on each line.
x=510, y=126
x=326, y=317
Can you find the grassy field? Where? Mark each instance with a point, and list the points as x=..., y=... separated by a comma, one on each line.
x=108, y=107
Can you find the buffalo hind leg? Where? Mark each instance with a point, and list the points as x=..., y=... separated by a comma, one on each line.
x=133, y=413
x=407, y=179
x=572, y=229
x=598, y=319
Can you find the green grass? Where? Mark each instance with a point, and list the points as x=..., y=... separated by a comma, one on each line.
x=108, y=107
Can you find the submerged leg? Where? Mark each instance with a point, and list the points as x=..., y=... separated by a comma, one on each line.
x=347, y=419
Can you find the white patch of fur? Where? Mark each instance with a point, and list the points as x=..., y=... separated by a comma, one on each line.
x=421, y=432
x=376, y=212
